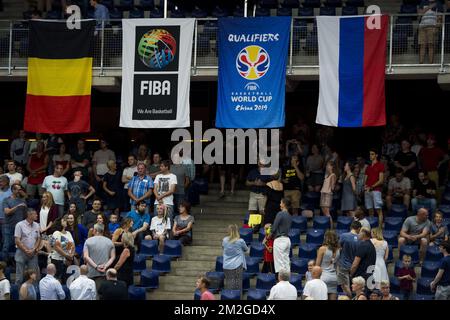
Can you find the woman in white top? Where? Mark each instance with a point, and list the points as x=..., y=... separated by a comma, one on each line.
x=47, y=215
x=382, y=250
x=160, y=226
x=326, y=193
x=63, y=251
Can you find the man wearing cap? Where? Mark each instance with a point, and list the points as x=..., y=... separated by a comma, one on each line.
x=430, y=157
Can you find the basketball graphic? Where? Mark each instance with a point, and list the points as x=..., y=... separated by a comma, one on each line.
x=157, y=48
x=252, y=62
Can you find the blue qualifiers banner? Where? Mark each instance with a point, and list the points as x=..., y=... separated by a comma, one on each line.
x=252, y=72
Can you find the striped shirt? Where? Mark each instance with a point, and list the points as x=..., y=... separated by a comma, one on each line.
x=139, y=187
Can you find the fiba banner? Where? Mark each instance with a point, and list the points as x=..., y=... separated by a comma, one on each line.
x=252, y=72
x=156, y=66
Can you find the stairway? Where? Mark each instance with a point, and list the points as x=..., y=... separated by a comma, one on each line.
x=212, y=217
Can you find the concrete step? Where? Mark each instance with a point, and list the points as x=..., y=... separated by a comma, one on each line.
x=228, y=199
x=176, y=280
x=189, y=273
x=163, y=295
x=225, y=206
x=219, y=210
x=211, y=250
x=215, y=192
x=186, y=288
x=209, y=228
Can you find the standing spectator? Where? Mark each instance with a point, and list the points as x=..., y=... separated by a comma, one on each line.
x=359, y=178
x=5, y=286
x=101, y=219
x=165, y=185
x=128, y=174
x=112, y=289
x=424, y=193
x=441, y=282
x=154, y=169
x=283, y=290
x=314, y=169
x=382, y=250
x=373, y=186
x=14, y=208
x=37, y=167
x=80, y=160
x=234, y=264
x=180, y=171
x=415, y=230
x=79, y=234
x=257, y=183
x=49, y=287
x=99, y=254
x=268, y=266
x=19, y=148
x=348, y=202
x=280, y=234
x=427, y=30
x=182, y=224
x=360, y=216
x=5, y=192
x=77, y=191
x=406, y=275
x=385, y=291
x=438, y=230
x=308, y=274
x=38, y=139
x=292, y=177
x=406, y=160
x=27, y=289
x=14, y=176
x=141, y=222
x=83, y=288
x=100, y=162
x=160, y=226
x=140, y=188
x=358, y=287
x=143, y=155
x=126, y=226
x=430, y=158
x=365, y=257
x=90, y=217
x=188, y=163
x=399, y=189
x=63, y=251
x=56, y=184
x=112, y=186
x=124, y=262
x=315, y=289
x=326, y=193
x=203, y=286
x=28, y=240
x=52, y=146
x=48, y=213
x=63, y=159
x=327, y=256
x=274, y=194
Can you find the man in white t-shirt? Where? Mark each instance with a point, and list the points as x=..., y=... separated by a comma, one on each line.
x=315, y=289
x=14, y=176
x=283, y=290
x=56, y=184
x=100, y=160
x=127, y=175
x=165, y=184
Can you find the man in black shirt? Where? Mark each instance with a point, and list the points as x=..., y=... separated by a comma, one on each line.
x=365, y=258
x=112, y=289
x=407, y=160
x=424, y=193
x=292, y=182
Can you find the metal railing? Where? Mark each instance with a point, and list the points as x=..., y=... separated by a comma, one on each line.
x=403, y=49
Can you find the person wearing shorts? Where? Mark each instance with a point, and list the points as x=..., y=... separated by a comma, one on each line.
x=292, y=181
x=373, y=186
x=427, y=30
x=257, y=183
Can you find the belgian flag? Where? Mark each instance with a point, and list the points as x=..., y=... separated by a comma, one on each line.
x=59, y=77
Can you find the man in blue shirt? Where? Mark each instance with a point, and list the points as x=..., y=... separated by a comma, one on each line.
x=141, y=222
x=349, y=244
x=101, y=13
x=441, y=282
x=140, y=188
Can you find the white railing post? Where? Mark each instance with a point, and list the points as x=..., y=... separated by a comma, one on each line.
x=291, y=46
x=245, y=8
x=10, y=48
x=102, y=49
x=195, y=47
x=165, y=9
x=442, y=68
x=391, y=32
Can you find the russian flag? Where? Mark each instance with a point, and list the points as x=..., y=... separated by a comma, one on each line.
x=352, y=60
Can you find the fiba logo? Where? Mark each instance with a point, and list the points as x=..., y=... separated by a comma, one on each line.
x=252, y=62
x=157, y=48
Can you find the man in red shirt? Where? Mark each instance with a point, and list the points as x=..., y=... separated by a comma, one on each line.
x=430, y=157
x=203, y=286
x=373, y=186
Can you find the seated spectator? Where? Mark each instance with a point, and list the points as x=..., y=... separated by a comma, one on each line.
x=358, y=287
x=315, y=288
x=113, y=222
x=182, y=225
x=141, y=222
x=360, y=216
x=160, y=226
x=406, y=275
x=49, y=287
x=375, y=295
x=283, y=290
x=63, y=249
x=399, y=189
x=424, y=193
x=415, y=230
x=83, y=288
x=90, y=217
x=268, y=266
x=203, y=285
x=124, y=262
x=101, y=219
x=438, y=231
x=5, y=286
x=112, y=288
x=385, y=288
x=27, y=289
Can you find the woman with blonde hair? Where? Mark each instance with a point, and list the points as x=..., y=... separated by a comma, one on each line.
x=124, y=264
x=48, y=213
x=326, y=193
x=160, y=226
x=382, y=250
x=358, y=285
x=234, y=249
x=327, y=257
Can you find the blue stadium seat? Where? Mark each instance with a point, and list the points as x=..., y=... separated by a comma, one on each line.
x=398, y=210
x=307, y=251
x=349, y=11
x=355, y=3
x=197, y=294
x=217, y=280
x=219, y=264
x=433, y=254
x=156, y=13
x=265, y=281
x=146, y=5
x=294, y=235
x=339, y=232
x=300, y=223
x=219, y=12
x=424, y=297
x=327, y=11
x=230, y=295
x=149, y=279
x=312, y=3
x=126, y=5
x=315, y=236
x=136, y=13
x=395, y=285
x=333, y=3
x=161, y=264
x=252, y=265
x=173, y=248
x=445, y=209
x=177, y=13
x=256, y=294
x=257, y=250
x=262, y=12
x=296, y=281
x=299, y=265
x=429, y=269
x=14, y=291
x=199, y=13
x=321, y=222
x=312, y=198
x=423, y=286
x=284, y=12
x=290, y=4
x=136, y=293
x=139, y=263
x=269, y=4
x=344, y=222
x=373, y=221
x=149, y=248
x=246, y=281
x=410, y=250
x=393, y=223
x=391, y=237
x=246, y=234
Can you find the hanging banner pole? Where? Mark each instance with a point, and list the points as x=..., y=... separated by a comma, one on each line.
x=245, y=8
x=165, y=9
